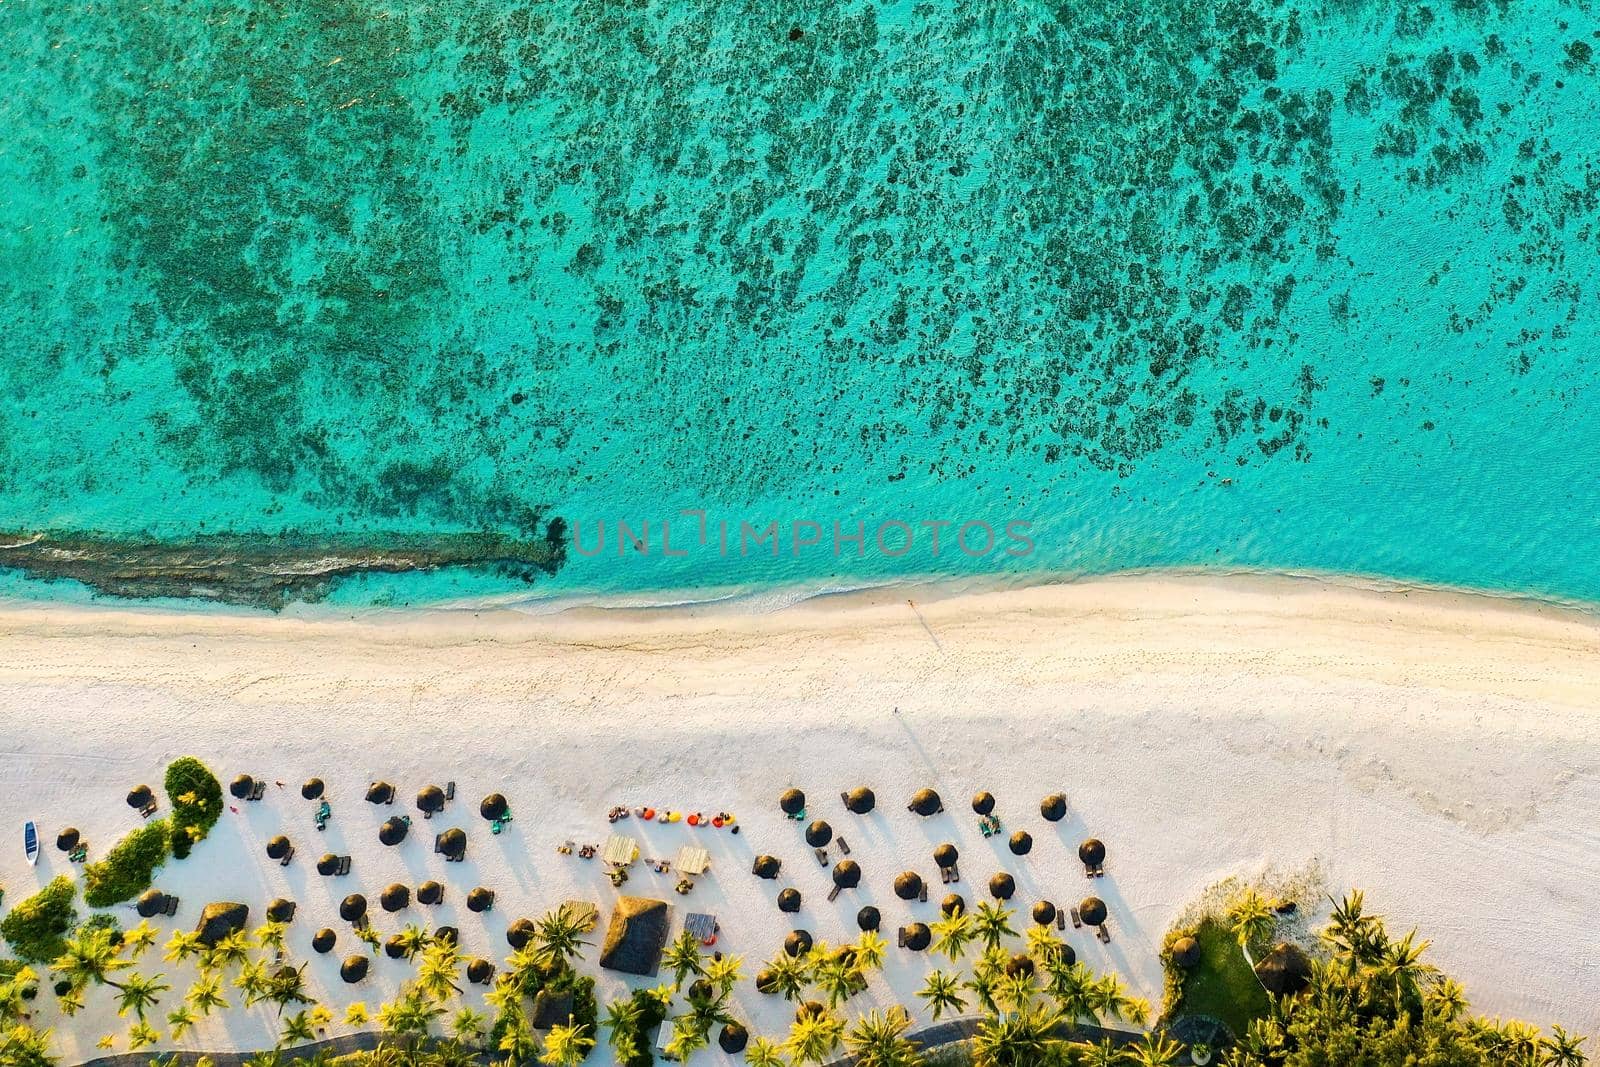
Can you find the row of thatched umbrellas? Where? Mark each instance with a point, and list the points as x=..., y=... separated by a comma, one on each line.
x=924, y=802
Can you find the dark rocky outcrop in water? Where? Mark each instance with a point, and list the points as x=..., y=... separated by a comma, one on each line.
x=262, y=571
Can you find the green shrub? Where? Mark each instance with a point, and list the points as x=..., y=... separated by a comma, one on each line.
x=196, y=799
x=36, y=928
x=128, y=867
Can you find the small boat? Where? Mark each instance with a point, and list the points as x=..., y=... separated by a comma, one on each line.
x=30, y=842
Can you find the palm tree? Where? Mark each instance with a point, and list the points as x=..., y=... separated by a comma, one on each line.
x=285, y=986
x=468, y=1026
x=682, y=958
x=409, y=1014
x=183, y=945
x=1562, y=1049
x=1043, y=944
x=1070, y=985
x=1022, y=1039
x=233, y=949
x=622, y=1022
x=952, y=935
x=517, y=1039
x=438, y=970
x=942, y=991
x=296, y=1031
x=1351, y=931
x=15, y=993
x=1400, y=967
x=1251, y=919
x=764, y=1053
x=813, y=1038
x=993, y=924
x=1110, y=999
x=180, y=1021
x=559, y=934
x=838, y=978
x=252, y=978
x=870, y=951
x=70, y=1002
x=724, y=973
x=356, y=1015
x=139, y=939
x=1447, y=1000
x=141, y=1034
x=23, y=1046
x=205, y=996
x=789, y=975
x=90, y=958
x=878, y=1039
x=1015, y=991
x=139, y=994
x=688, y=1037
x=1156, y=1050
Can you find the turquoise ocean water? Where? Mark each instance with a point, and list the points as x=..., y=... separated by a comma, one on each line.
x=1179, y=283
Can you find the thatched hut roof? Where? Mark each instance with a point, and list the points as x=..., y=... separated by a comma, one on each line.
x=861, y=800
x=327, y=864
x=353, y=969
x=380, y=793
x=396, y=898
x=1092, y=910
x=798, y=943
x=636, y=935
x=219, y=920
x=733, y=1038
x=792, y=802
x=67, y=840
x=868, y=918
x=430, y=893
x=453, y=843
x=480, y=971
x=280, y=911
x=480, y=899
x=493, y=807
x=278, y=847
x=139, y=796
x=393, y=831
x=519, y=933
x=1002, y=886
x=151, y=903
x=908, y=885
x=1054, y=807
x=1092, y=851
x=430, y=798
x=323, y=940
x=917, y=936
x=1186, y=952
x=551, y=1009
x=1021, y=843
x=818, y=834
x=312, y=789
x=352, y=907
x=241, y=786
x=847, y=874
x=1044, y=913
x=946, y=855
x=789, y=901
x=926, y=802
x=767, y=866
x=952, y=904
x=983, y=803
x=1285, y=971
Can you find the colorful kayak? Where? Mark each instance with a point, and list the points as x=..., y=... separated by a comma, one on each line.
x=30, y=842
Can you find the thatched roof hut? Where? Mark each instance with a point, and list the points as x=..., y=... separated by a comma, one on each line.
x=278, y=847
x=766, y=867
x=281, y=911
x=519, y=933
x=983, y=803
x=908, y=885
x=798, y=943
x=241, y=787
x=1044, y=913
x=1021, y=843
x=152, y=902
x=860, y=800
x=1092, y=852
x=430, y=893
x=219, y=920
x=868, y=918
x=396, y=898
x=1092, y=910
x=636, y=935
x=67, y=840
x=952, y=904
x=353, y=908
x=818, y=834
x=452, y=843
x=353, y=969
x=430, y=799
x=917, y=936
x=393, y=831
x=323, y=940
x=493, y=807
x=792, y=802
x=480, y=971
x=312, y=789
x=1053, y=807
x=140, y=796
x=847, y=874
x=480, y=900
x=926, y=802
x=733, y=1038
x=1186, y=952
x=946, y=855
x=1002, y=886
x=380, y=793
x=789, y=901
x=1285, y=971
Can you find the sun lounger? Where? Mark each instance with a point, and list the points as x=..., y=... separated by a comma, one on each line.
x=944, y=875
x=902, y=937
x=170, y=907
x=923, y=896
x=955, y=873
x=259, y=791
x=1077, y=922
x=344, y=865
x=449, y=790
x=822, y=856
x=287, y=856
x=148, y=810
x=844, y=846
x=1103, y=934
x=833, y=894
x=1061, y=919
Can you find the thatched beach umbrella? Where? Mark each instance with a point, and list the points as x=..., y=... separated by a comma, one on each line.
x=847, y=874
x=493, y=807
x=818, y=834
x=312, y=789
x=241, y=786
x=480, y=971
x=798, y=943
x=1021, y=843
x=789, y=901
x=380, y=793
x=67, y=840
x=353, y=969
x=519, y=934
x=395, y=947
x=393, y=831
x=452, y=843
x=860, y=800
x=480, y=899
x=1092, y=852
x=396, y=898
x=1186, y=953
x=917, y=936
x=1020, y=964
x=278, y=847
x=430, y=893
x=1054, y=807
x=767, y=867
x=140, y=796
x=1044, y=913
x=811, y=1009
x=328, y=864
x=353, y=908
x=1092, y=910
x=323, y=940
x=926, y=802
x=766, y=982
x=447, y=935
x=946, y=856
x=733, y=1038
x=952, y=904
x=868, y=918
x=1002, y=886
x=152, y=902
x=908, y=885
x=792, y=802
x=280, y=911
x=1285, y=970
x=983, y=803
x=430, y=799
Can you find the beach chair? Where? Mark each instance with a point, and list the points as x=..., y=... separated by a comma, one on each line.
x=287, y=856
x=170, y=905
x=449, y=790
x=1077, y=921
x=1103, y=934
x=259, y=791
x=944, y=875
x=844, y=846
x=822, y=856
x=148, y=810
x=702, y=926
x=1061, y=919
x=922, y=897
x=344, y=865
x=79, y=854
x=833, y=894
x=902, y=937
x=955, y=873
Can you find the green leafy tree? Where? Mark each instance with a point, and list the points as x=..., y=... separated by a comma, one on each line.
x=878, y=1039
x=942, y=992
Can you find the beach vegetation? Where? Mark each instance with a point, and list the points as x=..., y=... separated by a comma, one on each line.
x=129, y=867
x=196, y=798
x=1222, y=985
x=37, y=927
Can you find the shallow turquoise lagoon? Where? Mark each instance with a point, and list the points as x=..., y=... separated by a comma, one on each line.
x=1178, y=283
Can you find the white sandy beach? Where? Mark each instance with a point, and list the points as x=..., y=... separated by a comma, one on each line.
x=1438, y=750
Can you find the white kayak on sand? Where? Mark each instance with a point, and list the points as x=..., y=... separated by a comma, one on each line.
x=30, y=842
